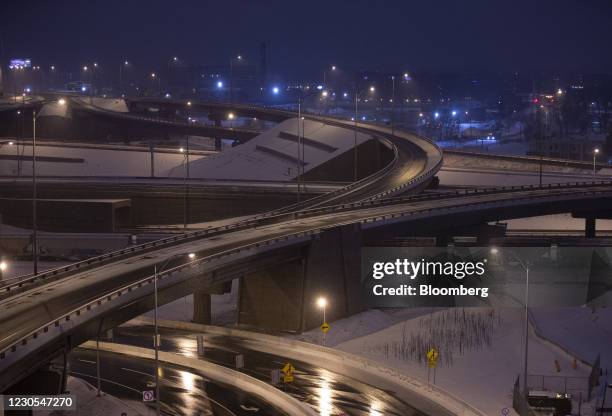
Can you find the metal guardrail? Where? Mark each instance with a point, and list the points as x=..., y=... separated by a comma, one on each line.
x=531, y=159
x=17, y=283
x=127, y=116
x=109, y=297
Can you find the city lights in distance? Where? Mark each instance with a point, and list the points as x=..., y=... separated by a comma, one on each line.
x=275, y=90
x=219, y=84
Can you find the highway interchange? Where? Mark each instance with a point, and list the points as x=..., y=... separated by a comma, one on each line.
x=27, y=313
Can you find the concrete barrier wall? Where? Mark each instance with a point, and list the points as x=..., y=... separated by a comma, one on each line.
x=244, y=382
x=429, y=399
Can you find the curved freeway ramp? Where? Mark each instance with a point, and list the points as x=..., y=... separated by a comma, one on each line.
x=67, y=306
x=415, y=160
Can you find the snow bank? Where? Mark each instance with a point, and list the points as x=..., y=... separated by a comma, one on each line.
x=481, y=373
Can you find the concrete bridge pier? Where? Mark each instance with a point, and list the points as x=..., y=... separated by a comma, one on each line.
x=589, y=227
x=283, y=297
x=590, y=220
x=202, y=310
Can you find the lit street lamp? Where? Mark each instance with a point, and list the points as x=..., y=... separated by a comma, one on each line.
x=333, y=68
x=154, y=76
x=3, y=267
x=185, y=151
x=231, y=80
x=124, y=64
x=157, y=270
x=372, y=89
x=322, y=304
x=595, y=153
x=62, y=102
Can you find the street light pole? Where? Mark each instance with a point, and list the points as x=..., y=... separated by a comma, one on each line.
x=186, y=202
x=393, y=104
x=595, y=152
x=156, y=344
x=34, y=219
x=157, y=269
x=322, y=303
x=355, y=138
x=298, y=147
x=526, y=266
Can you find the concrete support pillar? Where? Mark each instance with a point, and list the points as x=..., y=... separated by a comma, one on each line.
x=202, y=308
x=283, y=297
x=589, y=227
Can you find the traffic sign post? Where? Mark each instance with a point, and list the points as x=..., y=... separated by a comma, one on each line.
x=288, y=370
x=200, y=344
x=239, y=361
x=148, y=396
x=324, y=328
x=275, y=377
x=432, y=362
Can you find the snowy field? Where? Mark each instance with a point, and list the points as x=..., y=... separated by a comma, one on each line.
x=481, y=350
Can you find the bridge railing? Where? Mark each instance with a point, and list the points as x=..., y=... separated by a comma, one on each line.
x=23, y=341
x=7, y=352
x=15, y=285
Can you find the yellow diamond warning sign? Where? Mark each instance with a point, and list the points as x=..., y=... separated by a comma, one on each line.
x=432, y=357
x=325, y=327
x=288, y=369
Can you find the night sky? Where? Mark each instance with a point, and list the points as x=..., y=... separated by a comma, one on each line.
x=303, y=37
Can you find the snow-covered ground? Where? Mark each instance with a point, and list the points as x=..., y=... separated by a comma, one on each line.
x=89, y=404
x=584, y=332
x=481, y=354
x=72, y=160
